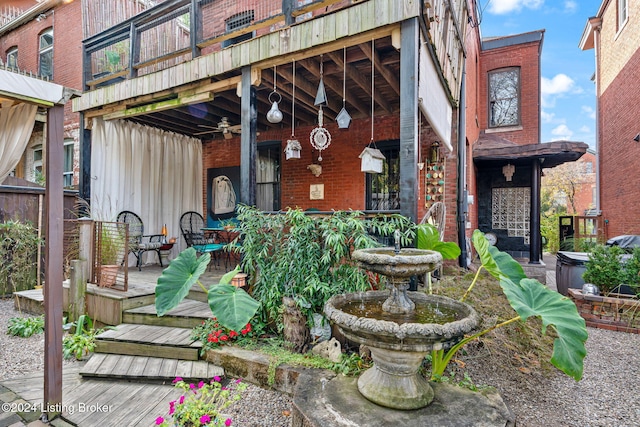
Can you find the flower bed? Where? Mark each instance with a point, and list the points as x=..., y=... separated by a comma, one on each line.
x=615, y=313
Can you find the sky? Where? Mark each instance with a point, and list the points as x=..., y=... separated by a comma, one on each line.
x=568, y=93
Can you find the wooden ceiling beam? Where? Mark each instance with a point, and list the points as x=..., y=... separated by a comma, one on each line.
x=384, y=71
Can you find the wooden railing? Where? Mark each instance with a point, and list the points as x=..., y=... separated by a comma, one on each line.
x=175, y=31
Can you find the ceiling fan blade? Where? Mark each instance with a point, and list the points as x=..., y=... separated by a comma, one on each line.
x=206, y=132
x=227, y=135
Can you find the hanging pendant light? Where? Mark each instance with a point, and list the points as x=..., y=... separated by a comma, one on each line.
x=274, y=115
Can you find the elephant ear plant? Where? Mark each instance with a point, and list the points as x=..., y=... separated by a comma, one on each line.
x=232, y=306
x=527, y=297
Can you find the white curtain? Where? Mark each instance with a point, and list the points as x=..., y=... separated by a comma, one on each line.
x=16, y=125
x=151, y=172
x=266, y=175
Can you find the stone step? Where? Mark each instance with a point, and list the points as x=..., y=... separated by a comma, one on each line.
x=148, y=369
x=149, y=340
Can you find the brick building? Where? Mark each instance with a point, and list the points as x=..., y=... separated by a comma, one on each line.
x=616, y=46
x=212, y=84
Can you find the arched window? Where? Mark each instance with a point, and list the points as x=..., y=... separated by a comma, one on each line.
x=45, y=62
x=504, y=97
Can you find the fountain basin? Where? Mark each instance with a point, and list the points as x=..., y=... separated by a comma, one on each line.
x=397, y=349
x=409, y=262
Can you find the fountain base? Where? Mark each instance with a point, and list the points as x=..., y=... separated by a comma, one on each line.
x=335, y=401
x=394, y=382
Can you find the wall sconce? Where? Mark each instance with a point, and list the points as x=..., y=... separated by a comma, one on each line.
x=508, y=170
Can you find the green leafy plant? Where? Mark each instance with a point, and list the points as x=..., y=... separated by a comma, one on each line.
x=83, y=341
x=203, y=403
x=25, y=326
x=529, y=298
x=605, y=269
x=428, y=237
x=231, y=306
x=307, y=257
x=18, y=253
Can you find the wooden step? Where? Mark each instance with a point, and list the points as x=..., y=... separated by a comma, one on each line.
x=188, y=314
x=141, y=368
x=148, y=340
x=29, y=301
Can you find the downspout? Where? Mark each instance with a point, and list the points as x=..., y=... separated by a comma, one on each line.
x=462, y=206
x=597, y=83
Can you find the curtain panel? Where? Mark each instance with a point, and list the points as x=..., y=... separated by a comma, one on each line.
x=16, y=125
x=154, y=173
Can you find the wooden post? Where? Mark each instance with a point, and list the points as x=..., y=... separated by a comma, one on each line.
x=53, y=263
x=85, y=244
x=77, y=289
x=248, y=139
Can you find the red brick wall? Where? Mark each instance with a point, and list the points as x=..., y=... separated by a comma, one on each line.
x=619, y=123
x=583, y=198
x=344, y=184
x=526, y=57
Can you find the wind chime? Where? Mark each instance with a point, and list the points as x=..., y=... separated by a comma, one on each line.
x=372, y=158
x=293, y=148
x=320, y=137
x=343, y=118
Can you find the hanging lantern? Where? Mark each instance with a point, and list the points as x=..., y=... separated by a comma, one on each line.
x=292, y=150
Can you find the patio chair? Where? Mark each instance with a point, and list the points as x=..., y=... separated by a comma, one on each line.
x=139, y=243
x=193, y=230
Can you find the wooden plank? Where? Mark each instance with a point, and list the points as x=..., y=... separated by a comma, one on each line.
x=151, y=350
x=119, y=331
x=114, y=396
x=214, y=371
x=183, y=368
x=153, y=367
x=121, y=368
x=107, y=365
x=200, y=370
x=94, y=363
x=137, y=367
x=168, y=368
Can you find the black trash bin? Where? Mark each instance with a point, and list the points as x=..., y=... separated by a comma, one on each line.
x=570, y=266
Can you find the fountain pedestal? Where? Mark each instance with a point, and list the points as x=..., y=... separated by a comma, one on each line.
x=393, y=381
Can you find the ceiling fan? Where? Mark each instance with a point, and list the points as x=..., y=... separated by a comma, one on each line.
x=223, y=127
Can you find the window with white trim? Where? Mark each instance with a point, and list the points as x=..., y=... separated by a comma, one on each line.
x=12, y=58
x=623, y=13
x=68, y=163
x=45, y=50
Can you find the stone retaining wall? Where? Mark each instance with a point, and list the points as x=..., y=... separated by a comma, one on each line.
x=608, y=312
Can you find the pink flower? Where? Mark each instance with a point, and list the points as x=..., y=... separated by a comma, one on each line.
x=227, y=422
x=181, y=400
x=238, y=381
x=172, y=410
x=205, y=419
x=201, y=384
x=192, y=386
x=177, y=380
x=216, y=379
x=159, y=421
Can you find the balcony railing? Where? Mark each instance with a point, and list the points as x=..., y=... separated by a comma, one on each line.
x=176, y=31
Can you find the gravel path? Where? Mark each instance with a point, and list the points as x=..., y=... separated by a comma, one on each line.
x=607, y=396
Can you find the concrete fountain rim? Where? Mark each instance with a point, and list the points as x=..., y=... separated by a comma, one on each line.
x=386, y=256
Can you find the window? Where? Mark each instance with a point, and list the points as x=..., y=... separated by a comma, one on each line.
x=622, y=14
x=37, y=164
x=68, y=163
x=268, y=176
x=589, y=167
x=46, y=54
x=504, y=97
x=236, y=22
x=12, y=58
x=383, y=189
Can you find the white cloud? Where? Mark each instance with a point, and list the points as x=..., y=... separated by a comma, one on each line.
x=547, y=117
x=501, y=7
x=560, y=83
x=570, y=6
x=589, y=111
x=561, y=132
x=585, y=129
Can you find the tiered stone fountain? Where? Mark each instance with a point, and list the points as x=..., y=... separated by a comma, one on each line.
x=399, y=327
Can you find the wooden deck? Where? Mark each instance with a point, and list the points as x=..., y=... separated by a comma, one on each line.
x=93, y=402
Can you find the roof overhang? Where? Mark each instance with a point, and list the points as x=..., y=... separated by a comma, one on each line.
x=491, y=150
x=17, y=86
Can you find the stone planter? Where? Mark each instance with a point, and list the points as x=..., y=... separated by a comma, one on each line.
x=614, y=312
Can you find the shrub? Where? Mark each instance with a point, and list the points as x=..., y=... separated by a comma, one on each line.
x=18, y=251
x=25, y=326
x=604, y=268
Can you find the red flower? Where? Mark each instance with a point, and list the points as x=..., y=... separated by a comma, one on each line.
x=224, y=338
x=233, y=334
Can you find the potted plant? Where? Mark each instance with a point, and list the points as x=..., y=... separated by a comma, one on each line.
x=112, y=249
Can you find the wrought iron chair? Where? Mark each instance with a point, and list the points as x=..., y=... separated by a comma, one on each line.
x=192, y=228
x=139, y=243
